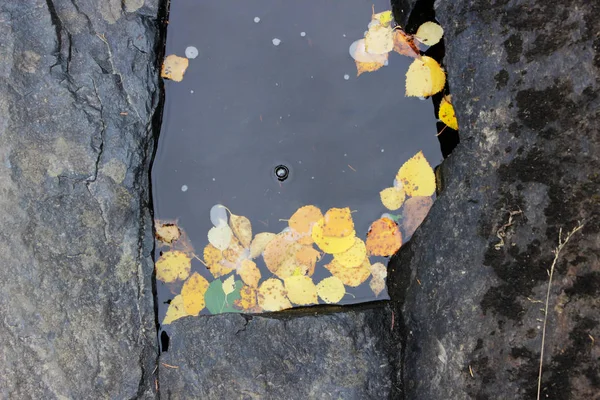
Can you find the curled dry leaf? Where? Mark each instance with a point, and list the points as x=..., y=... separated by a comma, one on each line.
x=220, y=236
x=167, y=232
x=174, y=67
x=415, y=211
x=429, y=33
x=272, y=296
x=384, y=238
x=424, y=77
x=192, y=292
x=328, y=244
x=404, y=44
x=242, y=228
x=302, y=222
x=175, y=311
x=379, y=39
x=353, y=276
x=417, y=176
x=354, y=256
x=301, y=290
x=259, y=243
x=446, y=113
x=247, y=300
x=331, y=290
x=249, y=273
x=172, y=266
x=392, y=197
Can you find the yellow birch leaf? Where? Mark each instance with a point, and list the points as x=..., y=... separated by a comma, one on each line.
x=338, y=223
x=404, y=44
x=379, y=39
x=308, y=256
x=392, y=197
x=417, y=176
x=174, y=67
x=219, y=269
x=328, y=244
x=354, y=256
x=367, y=66
x=172, y=266
x=331, y=290
x=359, y=53
x=353, y=276
x=301, y=290
x=385, y=18
x=414, y=212
x=424, y=77
x=212, y=255
x=228, y=285
x=235, y=252
x=272, y=296
x=247, y=301
x=446, y=114
x=220, y=236
x=384, y=238
x=175, y=311
x=167, y=232
x=242, y=228
x=289, y=267
x=259, y=243
x=302, y=222
x=249, y=273
x=279, y=249
x=192, y=293
x=429, y=33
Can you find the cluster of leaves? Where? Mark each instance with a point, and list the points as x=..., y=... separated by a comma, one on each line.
x=290, y=256
x=425, y=76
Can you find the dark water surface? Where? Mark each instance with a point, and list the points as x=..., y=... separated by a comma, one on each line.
x=246, y=106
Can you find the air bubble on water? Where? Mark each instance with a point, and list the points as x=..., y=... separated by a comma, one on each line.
x=346, y=77
x=302, y=34
x=382, y=150
x=256, y=20
x=184, y=188
x=191, y=52
x=276, y=42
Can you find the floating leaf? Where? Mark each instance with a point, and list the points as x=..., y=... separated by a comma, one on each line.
x=289, y=267
x=424, y=77
x=259, y=243
x=417, y=176
x=216, y=300
x=384, y=238
x=301, y=290
x=378, y=273
x=247, y=300
x=329, y=244
x=404, y=44
x=429, y=33
x=172, y=266
x=353, y=276
x=272, y=296
x=242, y=228
x=167, y=232
x=174, y=67
x=212, y=255
x=308, y=256
x=384, y=18
x=235, y=253
x=249, y=273
x=280, y=249
x=379, y=39
x=331, y=290
x=392, y=197
x=359, y=53
x=220, y=269
x=192, y=292
x=220, y=236
x=354, y=256
x=229, y=285
x=446, y=113
x=302, y=222
x=175, y=311
x=338, y=223
x=367, y=67
x=415, y=211
x=218, y=215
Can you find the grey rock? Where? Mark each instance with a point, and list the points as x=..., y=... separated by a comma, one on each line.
x=329, y=355
x=78, y=90
x=472, y=283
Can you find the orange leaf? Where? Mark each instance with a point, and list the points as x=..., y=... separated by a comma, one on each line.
x=302, y=222
x=280, y=248
x=338, y=223
x=308, y=256
x=367, y=67
x=384, y=238
x=405, y=45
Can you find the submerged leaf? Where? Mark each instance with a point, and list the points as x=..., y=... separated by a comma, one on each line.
x=352, y=276
x=354, y=256
x=392, y=197
x=429, y=33
x=259, y=243
x=175, y=311
x=249, y=273
x=218, y=215
x=330, y=244
x=192, y=292
x=424, y=77
x=446, y=114
x=417, y=176
x=331, y=290
x=242, y=228
x=303, y=220
x=301, y=290
x=174, y=67
x=220, y=236
x=172, y=266
x=384, y=238
x=272, y=296
x=167, y=232
x=415, y=211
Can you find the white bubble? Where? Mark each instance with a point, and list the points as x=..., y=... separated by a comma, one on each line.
x=256, y=20
x=191, y=91
x=276, y=42
x=386, y=63
x=184, y=188
x=191, y=52
x=382, y=150
x=302, y=34
x=346, y=77
x=214, y=179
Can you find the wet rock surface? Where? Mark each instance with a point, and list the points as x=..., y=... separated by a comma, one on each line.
x=472, y=283
x=78, y=90
x=339, y=355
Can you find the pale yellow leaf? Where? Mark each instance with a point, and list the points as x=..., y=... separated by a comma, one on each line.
x=353, y=276
x=174, y=67
x=301, y=290
x=192, y=293
x=167, y=232
x=377, y=286
x=385, y=18
x=249, y=273
x=242, y=228
x=175, y=311
x=429, y=33
x=424, y=77
x=417, y=176
x=259, y=243
x=354, y=256
x=272, y=296
x=220, y=236
x=328, y=244
x=228, y=285
x=172, y=266
x=359, y=53
x=379, y=271
x=392, y=197
x=379, y=39
x=280, y=249
x=331, y=290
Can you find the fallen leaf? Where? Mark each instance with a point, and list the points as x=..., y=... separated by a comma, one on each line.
x=338, y=223
x=219, y=269
x=392, y=197
x=377, y=286
x=259, y=243
x=218, y=215
x=308, y=256
x=385, y=18
x=174, y=67
x=353, y=276
x=384, y=238
x=289, y=267
x=172, y=266
x=429, y=33
x=379, y=39
x=247, y=300
x=217, y=301
x=242, y=228
x=175, y=311
x=331, y=290
x=220, y=236
x=249, y=273
x=414, y=212
x=302, y=222
x=167, y=232
x=192, y=292
x=229, y=285
x=359, y=53
x=235, y=253
x=417, y=176
x=280, y=249
x=378, y=273
x=212, y=255
x=272, y=296
x=446, y=114
x=367, y=67
x=354, y=256
x=424, y=77
x=404, y=44
x=301, y=290
x=328, y=244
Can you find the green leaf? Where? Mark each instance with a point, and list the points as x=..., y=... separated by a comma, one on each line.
x=216, y=300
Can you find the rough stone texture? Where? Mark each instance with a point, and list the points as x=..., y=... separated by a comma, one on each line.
x=343, y=355
x=524, y=78
x=78, y=90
